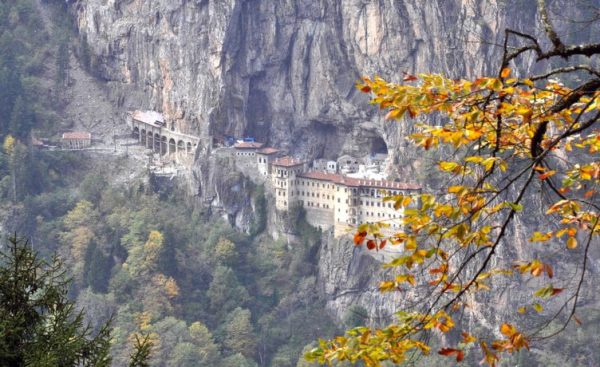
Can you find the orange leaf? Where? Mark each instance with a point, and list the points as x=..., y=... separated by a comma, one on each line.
x=371, y=244
x=428, y=143
x=382, y=244
x=359, y=237
x=548, y=270
x=489, y=357
x=460, y=355
x=544, y=176
x=505, y=73
x=508, y=330
x=572, y=243
x=409, y=78
x=556, y=291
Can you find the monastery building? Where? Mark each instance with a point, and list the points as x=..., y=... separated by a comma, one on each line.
x=331, y=199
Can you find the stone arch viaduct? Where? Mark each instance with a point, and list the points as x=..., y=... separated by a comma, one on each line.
x=150, y=130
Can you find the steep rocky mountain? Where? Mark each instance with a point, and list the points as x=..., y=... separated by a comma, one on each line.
x=284, y=72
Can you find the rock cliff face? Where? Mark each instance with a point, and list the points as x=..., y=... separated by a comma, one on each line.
x=283, y=71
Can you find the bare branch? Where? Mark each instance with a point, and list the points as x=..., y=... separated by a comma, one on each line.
x=588, y=50
x=568, y=69
x=587, y=88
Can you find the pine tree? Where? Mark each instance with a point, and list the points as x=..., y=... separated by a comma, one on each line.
x=239, y=332
x=39, y=325
x=20, y=119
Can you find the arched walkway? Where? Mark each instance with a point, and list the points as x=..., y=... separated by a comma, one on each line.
x=149, y=141
x=171, y=146
x=157, y=143
x=161, y=140
x=163, y=145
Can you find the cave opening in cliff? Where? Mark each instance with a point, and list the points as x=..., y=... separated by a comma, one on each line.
x=378, y=146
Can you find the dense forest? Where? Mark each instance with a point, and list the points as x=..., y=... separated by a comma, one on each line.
x=163, y=266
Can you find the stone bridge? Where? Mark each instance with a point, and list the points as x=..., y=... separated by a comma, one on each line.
x=150, y=130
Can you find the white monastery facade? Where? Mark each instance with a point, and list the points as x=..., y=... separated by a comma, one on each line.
x=331, y=199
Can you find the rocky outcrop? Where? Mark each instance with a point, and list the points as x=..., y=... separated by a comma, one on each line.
x=221, y=187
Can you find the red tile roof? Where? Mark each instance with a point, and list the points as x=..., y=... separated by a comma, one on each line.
x=356, y=182
x=287, y=162
x=36, y=142
x=268, y=151
x=323, y=176
x=76, y=135
x=248, y=145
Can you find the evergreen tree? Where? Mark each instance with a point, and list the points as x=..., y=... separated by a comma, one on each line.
x=225, y=292
x=239, y=332
x=207, y=349
x=20, y=119
x=141, y=355
x=39, y=325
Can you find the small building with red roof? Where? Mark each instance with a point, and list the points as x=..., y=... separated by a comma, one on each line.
x=247, y=148
x=76, y=140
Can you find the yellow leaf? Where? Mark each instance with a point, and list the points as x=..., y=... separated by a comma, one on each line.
x=455, y=189
x=9, y=144
x=474, y=159
x=540, y=237
x=448, y=166
x=572, y=243
x=537, y=307
x=508, y=330
x=468, y=338
x=524, y=111
x=386, y=286
x=528, y=83
x=395, y=114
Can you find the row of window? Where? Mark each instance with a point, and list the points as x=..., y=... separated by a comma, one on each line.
x=374, y=203
x=314, y=184
x=330, y=197
x=380, y=215
x=247, y=154
x=284, y=172
x=312, y=194
x=316, y=205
